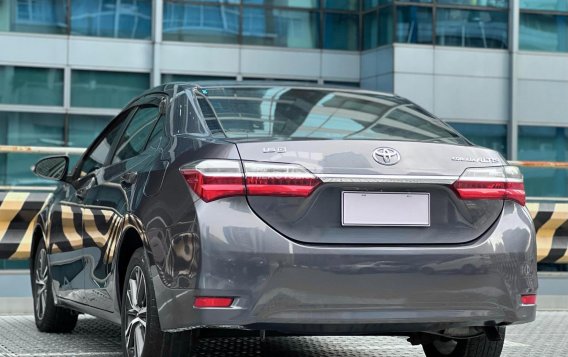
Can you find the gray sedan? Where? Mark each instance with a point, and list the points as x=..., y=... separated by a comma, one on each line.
x=287, y=210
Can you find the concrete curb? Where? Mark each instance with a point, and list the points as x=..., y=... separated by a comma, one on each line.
x=16, y=306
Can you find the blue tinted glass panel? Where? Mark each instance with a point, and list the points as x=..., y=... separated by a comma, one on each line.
x=414, y=25
x=551, y=5
x=370, y=30
x=415, y=1
x=544, y=144
x=167, y=78
x=285, y=28
x=308, y=4
x=27, y=85
x=369, y=4
x=341, y=32
x=289, y=80
x=39, y=16
x=385, y=26
x=31, y=129
x=471, y=28
x=540, y=32
x=492, y=136
x=200, y=23
x=97, y=89
x=343, y=84
x=342, y=4
x=13, y=264
x=112, y=18
x=486, y=3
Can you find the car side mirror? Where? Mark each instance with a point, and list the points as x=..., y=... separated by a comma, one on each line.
x=52, y=167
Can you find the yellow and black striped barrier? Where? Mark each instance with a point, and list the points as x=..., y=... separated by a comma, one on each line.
x=551, y=224
x=18, y=212
x=19, y=209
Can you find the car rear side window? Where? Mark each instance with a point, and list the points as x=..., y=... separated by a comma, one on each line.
x=136, y=135
x=319, y=113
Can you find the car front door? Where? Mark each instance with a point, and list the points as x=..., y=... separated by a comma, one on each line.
x=113, y=197
x=67, y=260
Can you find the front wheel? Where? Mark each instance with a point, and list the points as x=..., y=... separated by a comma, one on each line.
x=142, y=335
x=48, y=316
x=474, y=347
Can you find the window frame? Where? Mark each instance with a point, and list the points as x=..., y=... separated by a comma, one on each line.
x=115, y=147
x=125, y=116
x=150, y=100
x=161, y=118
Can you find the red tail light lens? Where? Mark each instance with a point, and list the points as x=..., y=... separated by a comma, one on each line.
x=492, y=183
x=215, y=179
x=207, y=301
x=268, y=179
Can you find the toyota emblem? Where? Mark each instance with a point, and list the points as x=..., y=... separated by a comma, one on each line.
x=386, y=156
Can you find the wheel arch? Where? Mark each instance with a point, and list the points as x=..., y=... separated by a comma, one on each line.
x=37, y=235
x=131, y=240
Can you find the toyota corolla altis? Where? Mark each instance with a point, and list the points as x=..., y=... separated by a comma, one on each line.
x=285, y=209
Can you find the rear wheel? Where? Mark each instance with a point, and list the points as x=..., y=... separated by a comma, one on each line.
x=474, y=347
x=48, y=316
x=141, y=332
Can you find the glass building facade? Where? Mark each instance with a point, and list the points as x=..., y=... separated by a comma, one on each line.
x=46, y=105
x=544, y=25
x=349, y=25
x=59, y=103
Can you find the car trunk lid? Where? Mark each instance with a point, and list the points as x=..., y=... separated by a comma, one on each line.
x=352, y=168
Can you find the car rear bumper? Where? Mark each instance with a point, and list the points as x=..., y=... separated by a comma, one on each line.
x=288, y=287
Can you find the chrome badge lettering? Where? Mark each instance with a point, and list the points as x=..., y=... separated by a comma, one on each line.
x=269, y=150
x=482, y=160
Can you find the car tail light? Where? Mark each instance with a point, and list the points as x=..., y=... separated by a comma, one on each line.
x=491, y=183
x=271, y=179
x=209, y=301
x=528, y=299
x=214, y=179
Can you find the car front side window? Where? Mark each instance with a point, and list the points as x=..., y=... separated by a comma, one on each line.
x=98, y=153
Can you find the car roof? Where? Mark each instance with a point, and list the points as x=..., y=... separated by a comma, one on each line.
x=173, y=87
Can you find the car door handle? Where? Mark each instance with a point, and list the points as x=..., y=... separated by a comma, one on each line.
x=128, y=179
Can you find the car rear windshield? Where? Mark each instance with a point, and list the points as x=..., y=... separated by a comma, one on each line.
x=318, y=113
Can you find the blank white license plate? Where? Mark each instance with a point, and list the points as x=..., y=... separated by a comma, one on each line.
x=385, y=209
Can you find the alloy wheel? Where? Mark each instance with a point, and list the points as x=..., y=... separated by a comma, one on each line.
x=136, y=295
x=41, y=280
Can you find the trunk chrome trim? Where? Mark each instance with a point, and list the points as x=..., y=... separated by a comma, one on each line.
x=339, y=178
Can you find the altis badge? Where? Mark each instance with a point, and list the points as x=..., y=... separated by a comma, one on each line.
x=482, y=160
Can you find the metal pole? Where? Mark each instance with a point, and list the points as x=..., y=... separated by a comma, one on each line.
x=157, y=27
x=13, y=149
x=513, y=137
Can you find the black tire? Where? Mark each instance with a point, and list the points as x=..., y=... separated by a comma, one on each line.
x=48, y=316
x=475, y=347
x=155, y=342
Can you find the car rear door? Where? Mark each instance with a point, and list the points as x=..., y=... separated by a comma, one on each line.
x=113, y=197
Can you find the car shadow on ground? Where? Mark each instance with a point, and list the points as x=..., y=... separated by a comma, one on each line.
x=91, y=331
